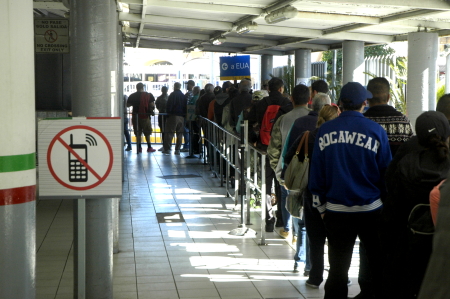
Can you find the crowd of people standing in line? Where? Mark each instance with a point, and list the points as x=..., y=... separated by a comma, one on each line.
x=368, y=173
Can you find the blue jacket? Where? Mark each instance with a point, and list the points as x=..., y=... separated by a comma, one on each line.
x=176, y=104
x=351, y=154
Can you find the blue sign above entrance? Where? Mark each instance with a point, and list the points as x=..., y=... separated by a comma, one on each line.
x=235, y=67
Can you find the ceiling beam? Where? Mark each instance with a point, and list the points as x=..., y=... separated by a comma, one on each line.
x=418, y=23
x=337, y=17
x=176, y=22
x=385, y=20
x=404, y=37
x=141, y=26
x=412, y=4
x=166, y=33
x=49, y=5
x=297, y=44
x=161, y=45
x=195, y=36
x=250, y=41
x=235, y=9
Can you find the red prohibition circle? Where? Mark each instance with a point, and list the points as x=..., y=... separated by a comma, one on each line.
x=49, y=162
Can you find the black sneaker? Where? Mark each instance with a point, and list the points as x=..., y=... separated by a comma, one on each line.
x=269, y=227
x=306, y=273
x=311, y=285
x=295, y=269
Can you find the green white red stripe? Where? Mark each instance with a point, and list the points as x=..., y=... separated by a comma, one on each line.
x=17, y=179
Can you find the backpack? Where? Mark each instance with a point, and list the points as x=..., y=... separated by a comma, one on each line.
x=226, y=118
x=269, y=119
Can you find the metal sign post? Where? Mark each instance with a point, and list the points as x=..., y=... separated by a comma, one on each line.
x=81, y=239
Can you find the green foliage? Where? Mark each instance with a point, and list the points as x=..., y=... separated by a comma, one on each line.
x=378, y=50
x=440, y=89
x=398, y=86
x=289, y=76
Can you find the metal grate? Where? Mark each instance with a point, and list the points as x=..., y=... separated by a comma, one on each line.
x=179, y=176
x=169, y=217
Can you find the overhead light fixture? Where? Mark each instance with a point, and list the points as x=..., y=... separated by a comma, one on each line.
x=246, y=28
x=282, y=14
x=198, y=48
x=219, y=40
x=124, y=7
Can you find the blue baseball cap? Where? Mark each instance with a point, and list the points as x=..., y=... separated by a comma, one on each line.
x=355, y=92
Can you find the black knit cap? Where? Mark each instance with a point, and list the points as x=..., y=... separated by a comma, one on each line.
x=432, y=123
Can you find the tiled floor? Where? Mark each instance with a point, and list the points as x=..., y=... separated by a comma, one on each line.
x=192, y=259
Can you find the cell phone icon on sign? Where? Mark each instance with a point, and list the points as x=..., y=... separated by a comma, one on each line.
x=77, y=171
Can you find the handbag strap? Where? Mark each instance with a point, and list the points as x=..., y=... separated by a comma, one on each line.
x=303, y=141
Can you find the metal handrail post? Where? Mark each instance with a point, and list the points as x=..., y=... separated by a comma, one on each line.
x=263, y=200
x=238, y=175
x=244, y=156
x=242, y=182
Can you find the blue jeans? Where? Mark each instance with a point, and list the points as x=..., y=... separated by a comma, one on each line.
x=287, y=219
x=301, y=255
x=186, y=135
x=126, y=132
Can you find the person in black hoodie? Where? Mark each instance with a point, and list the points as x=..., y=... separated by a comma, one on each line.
x=241, y=101
x=255, y=117
x=409, y=184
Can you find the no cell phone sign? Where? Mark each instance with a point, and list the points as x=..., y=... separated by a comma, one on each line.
x=68, y=157
x=80, y=159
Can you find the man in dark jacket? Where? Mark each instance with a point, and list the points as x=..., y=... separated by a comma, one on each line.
x=176, y=112
x=256, y=116
x=189, y=95
x=201, y=107
x=399, y=130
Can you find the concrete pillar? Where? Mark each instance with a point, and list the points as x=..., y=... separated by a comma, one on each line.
x=17, y=154
x=352, y=62
x=447, y=74
x=422, y=73
x=91, y=44
x=302, y=66
x=266, y=67
x=118, y=104
x=120, y=47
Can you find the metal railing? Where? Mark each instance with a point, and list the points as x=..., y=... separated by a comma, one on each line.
x=225, y=152
x=232, y=159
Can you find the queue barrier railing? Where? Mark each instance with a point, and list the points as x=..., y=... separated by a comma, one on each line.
x=236, y=162
x=238, y=154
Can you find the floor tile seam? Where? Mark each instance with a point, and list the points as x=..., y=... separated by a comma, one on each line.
x=132, y=236
x=165, y=247
x=50, y=225
x=65, y=265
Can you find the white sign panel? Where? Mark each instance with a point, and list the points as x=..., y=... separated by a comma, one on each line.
x=80, y=157
x=51, y=35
